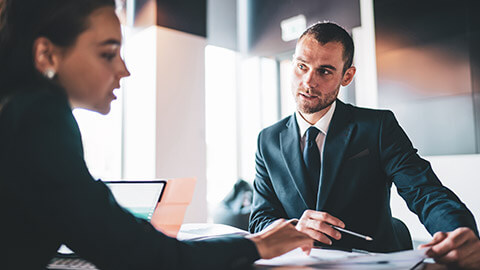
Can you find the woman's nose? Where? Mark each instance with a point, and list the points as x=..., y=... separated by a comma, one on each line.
x=124, y=71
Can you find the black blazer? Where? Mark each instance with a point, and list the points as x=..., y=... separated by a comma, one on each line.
x=48, y=198
x=365, y=152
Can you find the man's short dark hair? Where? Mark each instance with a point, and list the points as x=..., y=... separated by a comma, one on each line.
x=325, y=32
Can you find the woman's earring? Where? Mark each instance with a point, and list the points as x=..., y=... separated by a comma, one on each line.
x=49, y=73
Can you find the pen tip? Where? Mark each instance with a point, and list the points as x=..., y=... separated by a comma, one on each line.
x=368, y=238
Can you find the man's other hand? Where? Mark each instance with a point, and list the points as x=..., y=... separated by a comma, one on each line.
x=458, y=249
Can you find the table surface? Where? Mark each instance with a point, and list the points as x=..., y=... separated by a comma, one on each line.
x=423, y=266
x=200, y=230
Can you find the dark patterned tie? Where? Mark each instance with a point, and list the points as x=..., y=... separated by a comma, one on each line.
x=311, y=156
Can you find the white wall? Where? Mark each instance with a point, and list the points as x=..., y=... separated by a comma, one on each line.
x=249, y=115
x=139, y=134
x=164, y=130
x=181, y=146
x=221, y=123
x=101, y=137
x=459, y=173
x=258, y=107
x=366, y=92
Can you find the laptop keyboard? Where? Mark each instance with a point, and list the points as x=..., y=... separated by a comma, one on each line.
x=70, y=264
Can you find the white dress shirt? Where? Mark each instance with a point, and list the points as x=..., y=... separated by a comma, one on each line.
x=321, y=124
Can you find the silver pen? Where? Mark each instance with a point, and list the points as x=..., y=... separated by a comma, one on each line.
x=368, y=238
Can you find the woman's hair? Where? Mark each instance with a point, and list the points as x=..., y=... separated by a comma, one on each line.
x=23, y=21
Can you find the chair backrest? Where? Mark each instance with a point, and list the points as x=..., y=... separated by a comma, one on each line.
x=402, y=233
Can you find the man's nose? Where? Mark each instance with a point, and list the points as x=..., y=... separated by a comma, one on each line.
x=309, y=80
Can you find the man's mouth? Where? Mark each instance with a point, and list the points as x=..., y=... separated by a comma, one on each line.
x=308, y=96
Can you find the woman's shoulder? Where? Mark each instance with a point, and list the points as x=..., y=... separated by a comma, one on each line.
x=36, y=107
x=36, y=99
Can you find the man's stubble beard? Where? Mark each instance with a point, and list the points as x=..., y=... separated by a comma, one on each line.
x=324, y=102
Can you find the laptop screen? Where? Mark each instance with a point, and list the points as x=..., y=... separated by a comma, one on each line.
x=139, y=197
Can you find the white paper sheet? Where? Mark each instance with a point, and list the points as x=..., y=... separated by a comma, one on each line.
x=335, y=259
x=199, y=231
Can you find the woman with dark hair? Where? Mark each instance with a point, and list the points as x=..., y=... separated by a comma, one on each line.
x=56, y=55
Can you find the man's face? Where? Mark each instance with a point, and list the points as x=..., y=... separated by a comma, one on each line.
x=318, y=74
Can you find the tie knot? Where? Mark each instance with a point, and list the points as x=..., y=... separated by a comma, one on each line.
x=312, y=133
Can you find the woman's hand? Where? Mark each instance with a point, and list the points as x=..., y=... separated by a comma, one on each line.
x=280, y=237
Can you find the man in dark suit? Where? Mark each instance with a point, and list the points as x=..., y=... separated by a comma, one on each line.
x=333, y=164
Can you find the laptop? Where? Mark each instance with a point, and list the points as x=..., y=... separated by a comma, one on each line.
x=162, y=202
x=139, y=197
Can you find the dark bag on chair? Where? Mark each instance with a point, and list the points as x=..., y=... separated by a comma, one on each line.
x=234, y=210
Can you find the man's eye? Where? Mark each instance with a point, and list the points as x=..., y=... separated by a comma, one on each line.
x=301, y=66
x=324, y=71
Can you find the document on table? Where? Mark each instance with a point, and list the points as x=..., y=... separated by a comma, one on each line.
x=337, y=259
x=199, y=231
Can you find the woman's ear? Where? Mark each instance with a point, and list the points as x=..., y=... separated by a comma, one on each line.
x=46, y=57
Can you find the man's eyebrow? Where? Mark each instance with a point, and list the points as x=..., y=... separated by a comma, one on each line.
x=328, y=67
x=299, y=58
x=110, y=41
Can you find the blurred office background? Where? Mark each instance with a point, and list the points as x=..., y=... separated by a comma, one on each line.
x=208, y=75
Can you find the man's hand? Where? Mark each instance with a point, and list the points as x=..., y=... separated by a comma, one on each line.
x=279, y=238
x=459, y=249
x=317, y=225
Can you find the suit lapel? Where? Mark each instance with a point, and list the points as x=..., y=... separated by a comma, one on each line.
x=290, y=148
x=336, y=143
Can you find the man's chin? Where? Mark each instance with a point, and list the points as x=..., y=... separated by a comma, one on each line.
x=305, y=109
x=310, y=109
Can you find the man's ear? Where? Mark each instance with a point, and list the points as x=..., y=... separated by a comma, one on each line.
x=46, y=55
x=348, y=76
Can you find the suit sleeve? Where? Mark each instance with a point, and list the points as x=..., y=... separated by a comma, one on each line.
x=437, y=207
x=266, y=207
x=82, y=212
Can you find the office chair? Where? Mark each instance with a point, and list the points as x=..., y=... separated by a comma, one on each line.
x=402, y=233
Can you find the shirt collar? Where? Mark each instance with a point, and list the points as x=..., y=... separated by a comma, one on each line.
x=321, y=124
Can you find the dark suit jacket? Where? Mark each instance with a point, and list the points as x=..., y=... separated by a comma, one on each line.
x=365, y=152
x=48, y=197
